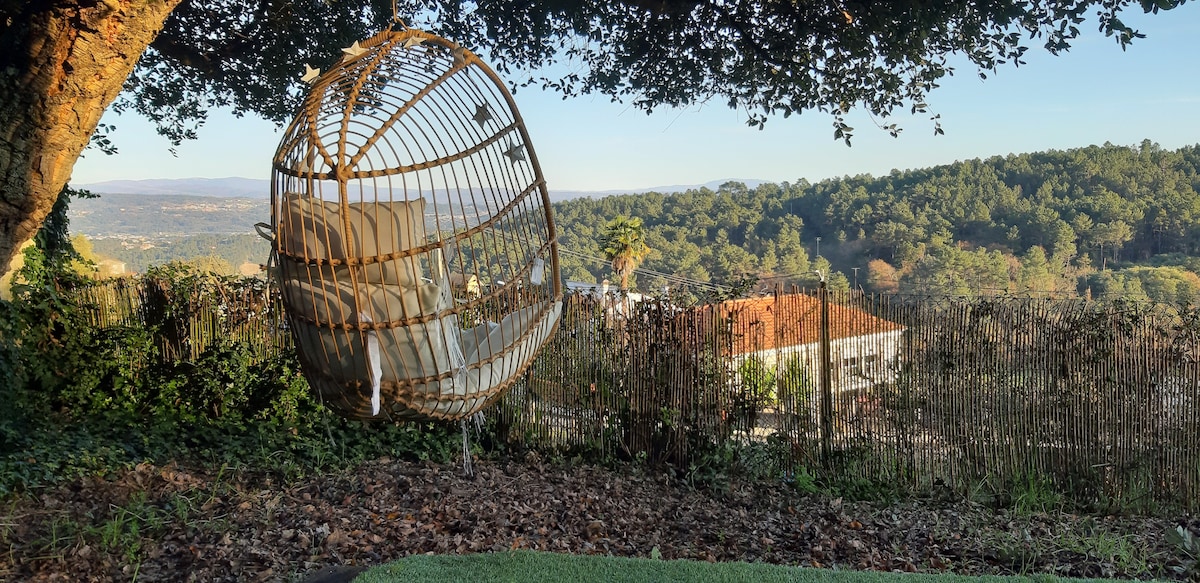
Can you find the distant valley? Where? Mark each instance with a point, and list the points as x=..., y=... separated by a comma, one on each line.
x=157, y=215
x=142, y=230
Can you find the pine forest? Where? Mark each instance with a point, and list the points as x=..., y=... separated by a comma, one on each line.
x=1101, y=222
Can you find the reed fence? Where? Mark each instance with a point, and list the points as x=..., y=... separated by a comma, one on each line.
x=189, y=314
x=1101, y=400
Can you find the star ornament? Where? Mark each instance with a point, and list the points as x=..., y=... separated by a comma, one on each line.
x=515, y=152
x=310, y=74
x=413, y=42
x=483, y=114
x=460, y=56
x=352, y=52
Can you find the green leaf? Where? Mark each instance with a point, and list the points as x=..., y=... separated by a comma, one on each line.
x=1182, y=538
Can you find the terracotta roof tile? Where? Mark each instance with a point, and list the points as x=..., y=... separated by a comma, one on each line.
x=794, y=319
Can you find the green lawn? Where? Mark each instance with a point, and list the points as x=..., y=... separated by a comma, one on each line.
x=537, y=567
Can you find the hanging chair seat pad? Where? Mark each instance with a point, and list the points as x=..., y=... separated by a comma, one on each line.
x=420, y=349
x=420, y=378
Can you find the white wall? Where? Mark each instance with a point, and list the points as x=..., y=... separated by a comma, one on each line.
x=871, y=358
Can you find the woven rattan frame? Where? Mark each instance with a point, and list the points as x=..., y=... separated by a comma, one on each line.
x=411, y=217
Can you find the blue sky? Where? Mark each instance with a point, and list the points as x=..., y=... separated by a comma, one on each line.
x=1093, y=94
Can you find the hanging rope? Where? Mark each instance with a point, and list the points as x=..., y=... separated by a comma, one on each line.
x=477, y=420
x=466, y=451
x=396, y=16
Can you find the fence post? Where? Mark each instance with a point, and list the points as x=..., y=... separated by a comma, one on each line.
x=826, y=374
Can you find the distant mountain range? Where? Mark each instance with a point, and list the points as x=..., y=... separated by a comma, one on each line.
x=258, y=188
x=224, y=187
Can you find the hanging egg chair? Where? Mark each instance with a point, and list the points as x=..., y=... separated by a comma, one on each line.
x=415, y=245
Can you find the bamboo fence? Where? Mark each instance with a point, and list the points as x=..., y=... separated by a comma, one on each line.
x=1101, y=400
x=189, y=315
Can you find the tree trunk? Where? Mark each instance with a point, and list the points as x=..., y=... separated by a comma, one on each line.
x=61, y=64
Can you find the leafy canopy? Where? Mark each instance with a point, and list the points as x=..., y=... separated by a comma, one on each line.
x=768, y=57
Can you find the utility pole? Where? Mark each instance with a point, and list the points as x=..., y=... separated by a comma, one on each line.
x=818, y=246
x=855, y=269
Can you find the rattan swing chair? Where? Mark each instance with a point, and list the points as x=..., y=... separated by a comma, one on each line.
x=413, y=235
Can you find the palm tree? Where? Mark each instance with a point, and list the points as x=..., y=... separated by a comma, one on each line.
x=624, y=244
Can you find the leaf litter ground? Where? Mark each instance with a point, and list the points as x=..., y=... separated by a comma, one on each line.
x=172, y=524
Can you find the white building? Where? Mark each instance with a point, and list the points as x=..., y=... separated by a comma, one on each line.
x=787, y=327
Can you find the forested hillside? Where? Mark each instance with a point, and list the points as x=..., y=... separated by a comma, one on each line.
x=1103, y=221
